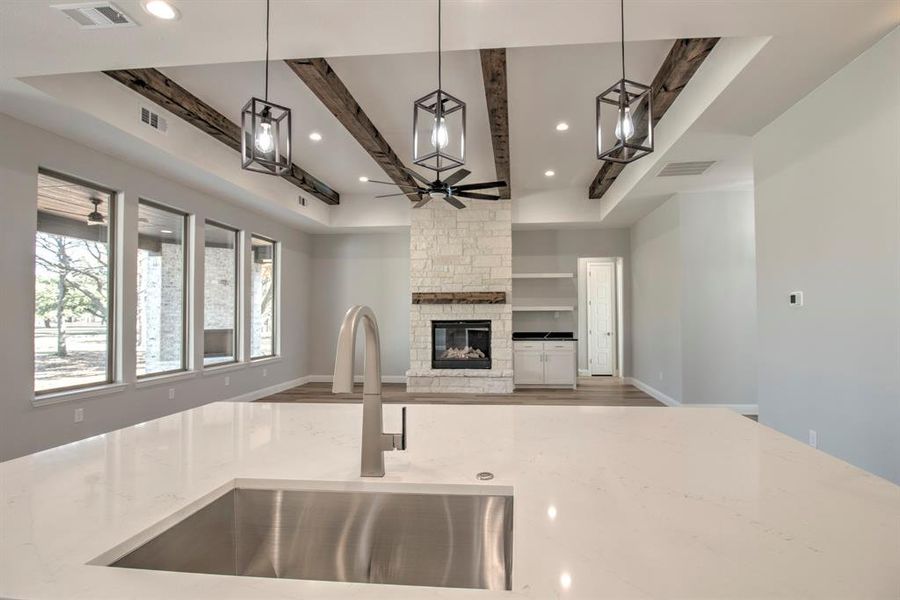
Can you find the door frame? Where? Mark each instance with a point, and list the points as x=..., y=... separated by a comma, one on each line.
x=618, y=314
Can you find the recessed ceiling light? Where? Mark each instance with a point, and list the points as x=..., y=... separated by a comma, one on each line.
x=315, y=136
x=364, y=179
x=549, y=173
x=562, y=126
x=165, y=231
x=161, y=9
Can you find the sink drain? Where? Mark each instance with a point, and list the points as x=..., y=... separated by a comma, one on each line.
x=484, y=476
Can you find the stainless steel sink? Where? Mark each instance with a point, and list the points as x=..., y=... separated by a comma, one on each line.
x=445, y=540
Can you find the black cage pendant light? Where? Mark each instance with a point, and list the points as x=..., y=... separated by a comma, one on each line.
x=626, y=109
x=439, y=126
x=266, y=130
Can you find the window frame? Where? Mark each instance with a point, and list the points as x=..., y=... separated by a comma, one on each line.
x=276, y=301
x=112, y=316
x=186, y=254
x=238, y=297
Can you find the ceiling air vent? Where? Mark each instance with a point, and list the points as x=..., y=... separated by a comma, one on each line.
x=148, y=117
x=95, y=15
x=682, y=169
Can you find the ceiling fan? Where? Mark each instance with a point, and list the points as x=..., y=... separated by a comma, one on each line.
x=446, y=189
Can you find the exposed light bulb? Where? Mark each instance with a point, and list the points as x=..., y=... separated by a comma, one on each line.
x=265, y=141
x=624, y=125
x=439, y=136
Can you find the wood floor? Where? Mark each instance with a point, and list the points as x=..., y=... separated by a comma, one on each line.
x=592, y=391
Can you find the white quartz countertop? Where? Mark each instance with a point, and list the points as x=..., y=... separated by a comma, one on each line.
x=614, y=502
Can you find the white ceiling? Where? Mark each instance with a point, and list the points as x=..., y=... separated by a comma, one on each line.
x=559, y=57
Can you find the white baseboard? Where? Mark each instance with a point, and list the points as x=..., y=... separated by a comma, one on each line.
x=356, y=378
x=665, y=399
x=744, y=409
x=268, y=391
x=584, y=373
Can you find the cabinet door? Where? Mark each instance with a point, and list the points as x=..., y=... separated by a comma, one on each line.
x=528, y=367
x=559, y=367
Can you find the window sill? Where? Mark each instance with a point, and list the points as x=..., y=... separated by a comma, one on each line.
x=224, y=368
x=265, y=360
x=80, y=394
x=152, y=381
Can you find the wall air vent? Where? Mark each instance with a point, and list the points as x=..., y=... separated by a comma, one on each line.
x=148, y=117
x=95, y=15
x=682, y=169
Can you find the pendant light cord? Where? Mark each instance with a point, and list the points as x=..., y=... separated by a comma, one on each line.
x=622, y=16
x=439, y=44
x=267, y=50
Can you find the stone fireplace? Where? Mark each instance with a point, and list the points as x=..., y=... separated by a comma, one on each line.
x=461, y=271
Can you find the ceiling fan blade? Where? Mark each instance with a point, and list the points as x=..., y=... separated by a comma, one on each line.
x=481, y=186
x=412, y=187
x=391, y=195
x=416, y=176
x=425, y=200
x=457, y=176
x=476, y=196
x=454, y=202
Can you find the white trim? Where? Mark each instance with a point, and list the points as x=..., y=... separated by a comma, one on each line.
x=78, y=394
x=543, y=275
x=584, y=372
x=357, y=378
x=268, y=391
x=744, y=409
x=263, y=361
x=667, y=400
x=225, y=367
x=153, y=380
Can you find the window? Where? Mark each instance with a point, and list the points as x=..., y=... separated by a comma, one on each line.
x=161, y=290
x=73, y=275
x=220, y=295
x=263, y=295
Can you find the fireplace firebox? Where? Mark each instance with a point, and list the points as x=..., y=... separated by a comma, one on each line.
x=460, y=344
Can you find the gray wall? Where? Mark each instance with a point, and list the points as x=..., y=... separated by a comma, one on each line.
x=827, y=196
x=25, y=428
x=558, y=250
x=694, y=311
x=360, y=268
x=656, y=303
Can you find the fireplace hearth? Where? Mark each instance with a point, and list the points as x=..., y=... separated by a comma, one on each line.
x=460, y=344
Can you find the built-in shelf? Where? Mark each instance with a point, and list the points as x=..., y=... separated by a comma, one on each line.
x=542, y=308
x=543, y=275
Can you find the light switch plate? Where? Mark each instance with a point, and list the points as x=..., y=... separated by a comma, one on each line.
x=79, y=415
x=813, y=438
x=795, y=299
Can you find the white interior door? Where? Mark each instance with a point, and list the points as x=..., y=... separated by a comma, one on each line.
x=601, y=318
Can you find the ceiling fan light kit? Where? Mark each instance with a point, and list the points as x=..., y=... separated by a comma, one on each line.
x=626, y=109
x=266, y=130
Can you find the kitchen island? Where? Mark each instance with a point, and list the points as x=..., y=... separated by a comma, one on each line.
x=608, y=502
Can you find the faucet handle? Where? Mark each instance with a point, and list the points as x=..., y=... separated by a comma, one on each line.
x=403, y=430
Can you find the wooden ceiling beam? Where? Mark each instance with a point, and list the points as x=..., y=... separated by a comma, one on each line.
x=493, y=70
x=159, y=89
x=322, y=81
x=680, y=64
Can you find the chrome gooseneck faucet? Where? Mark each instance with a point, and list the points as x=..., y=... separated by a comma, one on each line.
x=374, y=440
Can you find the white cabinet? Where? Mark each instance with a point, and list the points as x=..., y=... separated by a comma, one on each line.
x=549, y=363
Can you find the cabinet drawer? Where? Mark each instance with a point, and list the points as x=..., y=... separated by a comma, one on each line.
x=538, y=346
x=559, y=346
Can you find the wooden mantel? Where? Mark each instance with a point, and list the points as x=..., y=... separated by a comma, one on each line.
x=459, y=297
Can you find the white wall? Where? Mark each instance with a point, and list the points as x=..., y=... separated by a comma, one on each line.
x=694, y=308
x=25, y=428
x=558, y=250
x=360, y=268
x=656, y=300
x=827, y=196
